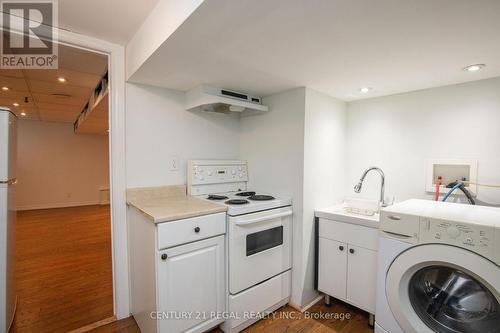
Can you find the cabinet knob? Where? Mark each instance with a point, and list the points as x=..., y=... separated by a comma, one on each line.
x=341, y=248
x=197, y=229
x=164, y=256
x=351, y=250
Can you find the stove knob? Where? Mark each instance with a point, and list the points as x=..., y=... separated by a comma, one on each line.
x=241, y=175
x=233, y=172
x=209, y=173
x=239, y=168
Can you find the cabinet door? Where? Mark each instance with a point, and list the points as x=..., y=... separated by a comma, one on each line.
x=191, y=280
x=362, y=277
x=332, y=270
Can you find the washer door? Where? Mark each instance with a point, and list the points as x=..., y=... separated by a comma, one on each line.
x=445, y=289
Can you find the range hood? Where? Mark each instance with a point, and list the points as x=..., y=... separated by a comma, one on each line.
x=211, y=99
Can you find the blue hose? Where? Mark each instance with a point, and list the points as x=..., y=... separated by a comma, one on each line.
x=457, y=185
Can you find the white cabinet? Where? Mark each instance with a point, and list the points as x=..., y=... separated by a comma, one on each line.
x=191, y=285
x=361, y=277
x=347, y=262
x=177, y=273
x=332, y=273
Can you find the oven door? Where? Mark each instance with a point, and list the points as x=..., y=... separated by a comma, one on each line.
x=259, y=247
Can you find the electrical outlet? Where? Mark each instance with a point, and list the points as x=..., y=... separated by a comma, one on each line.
x=174, y=163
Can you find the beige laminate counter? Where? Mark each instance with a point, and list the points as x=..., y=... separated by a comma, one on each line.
x=170, y=203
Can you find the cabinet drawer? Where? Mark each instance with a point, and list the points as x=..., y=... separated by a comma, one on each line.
x=349, y=233
x=400, y=224
x=190, y=230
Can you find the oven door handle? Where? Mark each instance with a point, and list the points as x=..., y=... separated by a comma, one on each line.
x=264, y=218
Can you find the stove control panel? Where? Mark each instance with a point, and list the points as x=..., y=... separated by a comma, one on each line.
x=216, y=176
x=474, y=237
x=211, y=174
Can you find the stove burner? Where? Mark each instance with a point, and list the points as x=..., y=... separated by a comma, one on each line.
x=260, y=197
x=245, y=194
x=237, y=202
x=216, y=197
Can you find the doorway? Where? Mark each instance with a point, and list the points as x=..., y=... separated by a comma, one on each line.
x=63, y=232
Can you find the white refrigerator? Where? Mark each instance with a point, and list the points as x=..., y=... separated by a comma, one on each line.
x=8, y=155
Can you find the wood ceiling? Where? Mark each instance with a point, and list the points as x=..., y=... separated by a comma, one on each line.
x=40, y=94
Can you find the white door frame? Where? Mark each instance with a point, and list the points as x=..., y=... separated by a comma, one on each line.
x=116, y=66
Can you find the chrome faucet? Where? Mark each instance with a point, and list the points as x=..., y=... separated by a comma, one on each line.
x=359, y=185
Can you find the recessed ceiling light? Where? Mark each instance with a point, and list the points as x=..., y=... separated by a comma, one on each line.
x=474, y=68
x=23, y=114
x=364, y=90
x=5, y=88
x=15, y=104
x=61, y=79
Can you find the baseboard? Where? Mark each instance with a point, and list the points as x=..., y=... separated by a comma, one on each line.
x=308, y=305
x=95, y=325
x=59, y=205
x=11, y=325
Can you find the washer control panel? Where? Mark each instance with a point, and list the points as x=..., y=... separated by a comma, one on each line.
x=477, y=238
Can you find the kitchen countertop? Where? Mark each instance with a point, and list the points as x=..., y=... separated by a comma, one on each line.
x=337, y=213
x=170, y=203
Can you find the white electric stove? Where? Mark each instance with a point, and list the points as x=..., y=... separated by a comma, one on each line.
x=245, y=202
x=259, y=239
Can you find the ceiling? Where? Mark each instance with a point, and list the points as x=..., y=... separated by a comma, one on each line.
x=334, y=46
x=47, y=98
x=111, y=20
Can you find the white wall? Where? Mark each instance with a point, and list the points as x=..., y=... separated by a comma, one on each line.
x=57, y=168
x=273, y=145
x=160, y=24
x=324, y=170
x=294, y=150
x=399, y=133
x=158, y=128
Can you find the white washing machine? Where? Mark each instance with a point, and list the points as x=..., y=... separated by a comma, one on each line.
x=438, y=268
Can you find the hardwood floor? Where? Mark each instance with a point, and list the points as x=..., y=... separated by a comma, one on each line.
x=286, y=320
x=63, y=269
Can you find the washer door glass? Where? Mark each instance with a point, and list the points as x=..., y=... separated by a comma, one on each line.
x=449, y=300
